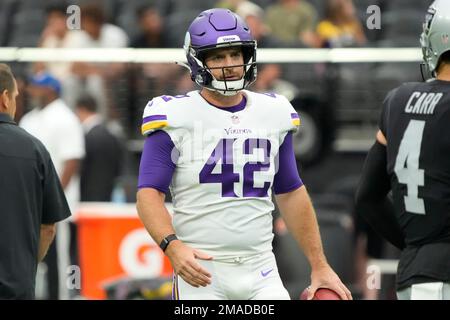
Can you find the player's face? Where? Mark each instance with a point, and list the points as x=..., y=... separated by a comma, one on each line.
x=226, y=63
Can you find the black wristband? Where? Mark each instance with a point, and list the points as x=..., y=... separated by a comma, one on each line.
x=165, y=242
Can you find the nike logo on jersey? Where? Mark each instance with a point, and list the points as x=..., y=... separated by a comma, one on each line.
x=265, y=273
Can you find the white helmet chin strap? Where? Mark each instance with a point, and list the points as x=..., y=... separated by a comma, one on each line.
x=227, y=88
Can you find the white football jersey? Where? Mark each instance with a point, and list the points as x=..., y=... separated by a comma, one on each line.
x=221, y=187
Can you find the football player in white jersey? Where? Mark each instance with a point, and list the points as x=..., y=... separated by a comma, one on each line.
x=222, y=150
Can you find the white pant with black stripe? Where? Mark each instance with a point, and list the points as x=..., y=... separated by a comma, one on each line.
x=239, y=278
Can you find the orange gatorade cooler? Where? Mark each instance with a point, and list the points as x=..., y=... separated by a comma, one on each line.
x=114, y=244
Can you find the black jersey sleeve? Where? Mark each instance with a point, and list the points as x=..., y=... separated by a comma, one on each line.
x=371, y=200
x=385, y=111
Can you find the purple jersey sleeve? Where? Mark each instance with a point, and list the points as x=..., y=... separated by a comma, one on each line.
x=158, y=162
x=287, y=178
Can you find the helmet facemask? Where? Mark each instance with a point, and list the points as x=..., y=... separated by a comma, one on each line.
x=428, y=65
x=204, y=77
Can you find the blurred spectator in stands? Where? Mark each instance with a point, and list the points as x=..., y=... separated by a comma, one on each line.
x=254, y=17
x=156, y=75
x=150, y=24
x=97, y=32
x=55, y=35
x=55, y=27
x=95, y=78
x=229, y=4
x=57, y=127
x=269, y=80
x=152, y=77
x=103, y=162
x=341, y=26
x=293, y=21
x=269, y=75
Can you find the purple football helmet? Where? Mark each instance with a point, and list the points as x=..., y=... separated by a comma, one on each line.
x=219, y=28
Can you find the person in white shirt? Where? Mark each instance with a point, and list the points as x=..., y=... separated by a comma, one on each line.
x=57, y=127
x=93, y=77
x=56, y=35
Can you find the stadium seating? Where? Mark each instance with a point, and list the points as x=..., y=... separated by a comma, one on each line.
x=400, y=26
x=391, y=75
x=6, y=8
x=26, y=34
x=399, y=5
x=126, y=13
x=178, y=21
x=198, y=5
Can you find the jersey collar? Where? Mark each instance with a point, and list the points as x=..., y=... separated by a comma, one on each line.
x=242, y=106
x=6, y=118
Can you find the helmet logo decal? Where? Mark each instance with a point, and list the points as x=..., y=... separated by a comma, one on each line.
x=229, y=38
x=445, y=38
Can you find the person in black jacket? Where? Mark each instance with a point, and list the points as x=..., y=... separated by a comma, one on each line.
x=103, y=162
x=32, y=199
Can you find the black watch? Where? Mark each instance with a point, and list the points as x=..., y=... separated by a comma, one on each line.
x=165, y=242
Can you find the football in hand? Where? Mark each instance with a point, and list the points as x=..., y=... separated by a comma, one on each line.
x=321, y=294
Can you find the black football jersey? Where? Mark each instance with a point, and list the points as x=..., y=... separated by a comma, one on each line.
x=416, y=123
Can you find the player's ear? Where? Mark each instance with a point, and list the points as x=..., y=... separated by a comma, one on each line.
x=5, y=99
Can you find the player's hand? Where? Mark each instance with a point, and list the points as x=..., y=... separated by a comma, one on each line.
x=325, y=277
x=185, y=264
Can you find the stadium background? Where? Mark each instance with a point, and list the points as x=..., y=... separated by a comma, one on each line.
x=338, y=100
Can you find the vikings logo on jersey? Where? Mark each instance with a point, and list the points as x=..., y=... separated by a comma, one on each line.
x=223, y=158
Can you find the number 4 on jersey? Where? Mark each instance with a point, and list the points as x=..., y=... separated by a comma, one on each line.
x=222, y=152
x=411, y=175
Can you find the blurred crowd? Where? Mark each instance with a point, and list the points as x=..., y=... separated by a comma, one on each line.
x=122, y=90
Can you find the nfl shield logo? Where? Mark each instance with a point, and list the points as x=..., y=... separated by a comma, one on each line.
x=445, y=38
x=235, y=119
